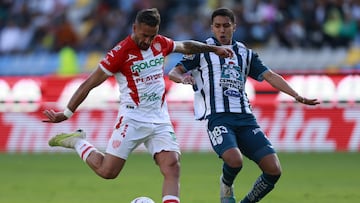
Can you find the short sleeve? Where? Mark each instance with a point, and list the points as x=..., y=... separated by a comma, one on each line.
x=257, y=68
x=112, y=61
x=167, y=45
x=190, y=61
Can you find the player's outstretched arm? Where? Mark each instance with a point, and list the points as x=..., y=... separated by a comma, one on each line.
x=95, y=79
x=194, y=47
x=278, y=82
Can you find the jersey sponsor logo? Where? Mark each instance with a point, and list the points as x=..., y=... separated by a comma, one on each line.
x=146, y=64
x=150, y=97
x=232, y=93
x=149, y=78
x=130, y=57
x=231, y=79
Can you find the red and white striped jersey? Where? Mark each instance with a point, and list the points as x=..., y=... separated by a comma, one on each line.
x=140, y=75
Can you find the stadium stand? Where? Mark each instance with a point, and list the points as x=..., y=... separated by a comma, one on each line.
x=290, y=36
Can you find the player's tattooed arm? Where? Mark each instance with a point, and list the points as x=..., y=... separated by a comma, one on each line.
x=194, y=47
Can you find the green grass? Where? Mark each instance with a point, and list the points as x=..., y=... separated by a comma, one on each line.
x=64, y=178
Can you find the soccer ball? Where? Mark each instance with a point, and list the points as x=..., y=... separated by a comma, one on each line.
x=142, y=200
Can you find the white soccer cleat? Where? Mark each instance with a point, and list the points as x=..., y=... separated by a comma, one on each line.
x=67, y=140
x=226, y=193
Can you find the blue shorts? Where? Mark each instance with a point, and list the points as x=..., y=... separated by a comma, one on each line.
x=227, y=130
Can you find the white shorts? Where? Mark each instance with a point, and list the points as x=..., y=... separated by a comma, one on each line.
x=129, y=134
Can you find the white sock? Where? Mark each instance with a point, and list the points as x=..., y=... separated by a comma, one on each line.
x=84, y=148
x=170, y=199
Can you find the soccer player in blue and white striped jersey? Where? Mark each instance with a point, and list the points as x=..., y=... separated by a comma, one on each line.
x=220, y=97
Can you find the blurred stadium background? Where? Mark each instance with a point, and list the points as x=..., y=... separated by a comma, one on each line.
x=47, y=47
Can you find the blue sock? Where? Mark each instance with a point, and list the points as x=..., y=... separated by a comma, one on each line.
x=263, y=185
x=229, y=174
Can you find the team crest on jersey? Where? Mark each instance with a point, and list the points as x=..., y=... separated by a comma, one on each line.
x=232, y=80
x=157, y=46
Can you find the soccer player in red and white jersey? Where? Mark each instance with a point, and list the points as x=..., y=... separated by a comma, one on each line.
x=137, y=63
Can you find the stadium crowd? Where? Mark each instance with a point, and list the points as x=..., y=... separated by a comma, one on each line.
x=86, y=25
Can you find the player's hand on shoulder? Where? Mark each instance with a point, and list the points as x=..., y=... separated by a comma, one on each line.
x=224, y=52
x=53, y=117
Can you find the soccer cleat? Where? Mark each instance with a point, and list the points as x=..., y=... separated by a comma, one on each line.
x=67, y=140
x=226, y=193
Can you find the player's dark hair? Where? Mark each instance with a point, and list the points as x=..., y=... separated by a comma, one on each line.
x=223, y=12
x=149, y=17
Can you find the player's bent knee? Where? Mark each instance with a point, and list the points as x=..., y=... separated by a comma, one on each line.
x=233, y=158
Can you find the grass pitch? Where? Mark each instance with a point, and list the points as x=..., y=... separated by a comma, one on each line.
x=64, y=178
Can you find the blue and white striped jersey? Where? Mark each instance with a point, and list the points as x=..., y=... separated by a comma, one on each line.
x=220, y=82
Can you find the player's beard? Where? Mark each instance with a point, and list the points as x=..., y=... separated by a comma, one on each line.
x=143, y=46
